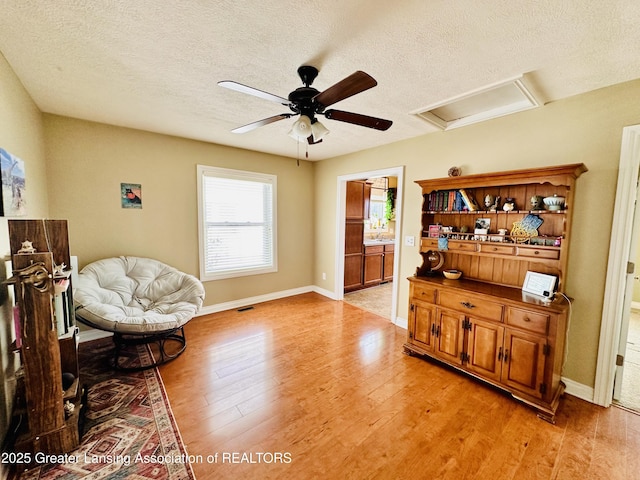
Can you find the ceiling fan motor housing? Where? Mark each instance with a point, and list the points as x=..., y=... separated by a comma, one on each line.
x=302, y=101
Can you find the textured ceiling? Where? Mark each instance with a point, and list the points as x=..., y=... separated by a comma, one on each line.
x=155, y=65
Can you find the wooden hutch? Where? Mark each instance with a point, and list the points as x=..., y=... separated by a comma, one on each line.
x=483, y=324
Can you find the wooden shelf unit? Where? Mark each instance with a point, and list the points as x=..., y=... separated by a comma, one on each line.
x=46, y=352
x=483, y=324
x=506, y=262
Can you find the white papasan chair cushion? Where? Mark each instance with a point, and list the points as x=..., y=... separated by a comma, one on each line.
x=134, y=295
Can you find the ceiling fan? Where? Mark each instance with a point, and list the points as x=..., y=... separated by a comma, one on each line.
x=308, y=102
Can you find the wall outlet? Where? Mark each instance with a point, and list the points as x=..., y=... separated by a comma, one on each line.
x=324, y=276
x=410, y=240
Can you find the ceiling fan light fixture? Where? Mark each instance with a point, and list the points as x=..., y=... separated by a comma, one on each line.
x=318, y=130
x=301, y=128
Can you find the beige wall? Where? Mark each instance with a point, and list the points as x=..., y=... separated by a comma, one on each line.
x=585, y=128
x=20, y=134
x=88, y=161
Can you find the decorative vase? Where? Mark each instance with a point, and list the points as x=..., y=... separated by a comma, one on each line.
x=554, y=203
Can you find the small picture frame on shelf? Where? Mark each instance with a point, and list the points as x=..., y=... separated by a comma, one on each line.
x=434, y=231
x=483, y=223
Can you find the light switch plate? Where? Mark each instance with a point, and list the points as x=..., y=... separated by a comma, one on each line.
x=409, y=240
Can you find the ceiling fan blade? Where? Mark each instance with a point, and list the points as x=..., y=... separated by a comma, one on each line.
x=358, y=119
x=355, y=83
x=238, y=87
x=260, y=123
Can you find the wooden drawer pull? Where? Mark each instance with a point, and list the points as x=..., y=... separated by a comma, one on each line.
x=467, y=304
x=526, y=319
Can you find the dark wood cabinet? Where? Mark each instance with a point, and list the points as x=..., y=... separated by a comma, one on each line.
x=387, y=267
x=358, y=200
x=482, y=324
x=357, y=210
x=353, y=271
x=373, y=264
x=365, y=265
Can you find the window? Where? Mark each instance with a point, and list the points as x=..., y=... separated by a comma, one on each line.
x=378, y=220
x=236, y=220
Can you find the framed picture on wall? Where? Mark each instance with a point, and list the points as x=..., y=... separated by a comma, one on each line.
x=12, y=201
x=131, y=195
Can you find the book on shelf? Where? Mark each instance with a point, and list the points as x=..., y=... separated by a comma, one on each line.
x=443, y=201
x=469, y=201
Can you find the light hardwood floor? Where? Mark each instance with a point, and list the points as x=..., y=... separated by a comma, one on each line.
x=327, y=385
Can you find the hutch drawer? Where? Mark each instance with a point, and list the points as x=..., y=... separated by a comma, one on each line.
x=528, y=320
x=471, y=304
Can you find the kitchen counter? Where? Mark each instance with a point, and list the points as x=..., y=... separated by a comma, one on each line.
x=381, y=241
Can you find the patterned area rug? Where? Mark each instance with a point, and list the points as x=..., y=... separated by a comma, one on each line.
x=129, y=429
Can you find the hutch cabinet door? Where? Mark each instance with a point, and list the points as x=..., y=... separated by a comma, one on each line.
x=485, y=348
x=524, y=362
x=449, y=334
x=422, y=326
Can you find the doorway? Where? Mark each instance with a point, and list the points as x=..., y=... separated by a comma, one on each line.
x=616, y=312
x=390, y=291
x=627, y=385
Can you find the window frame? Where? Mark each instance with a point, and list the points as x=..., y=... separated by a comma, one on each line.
x=204, y=171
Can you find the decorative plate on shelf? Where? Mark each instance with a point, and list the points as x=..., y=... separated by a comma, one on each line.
x=521, y=233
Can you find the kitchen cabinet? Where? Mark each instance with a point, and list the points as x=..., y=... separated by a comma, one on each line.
x=373, y=264
x=357, y=210
x=358, y=200
x=387, y=266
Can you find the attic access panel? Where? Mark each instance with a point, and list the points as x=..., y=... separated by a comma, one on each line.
x=490, y=102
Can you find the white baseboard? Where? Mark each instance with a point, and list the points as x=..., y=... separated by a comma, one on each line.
x=402, y=323
x=243, y=302
x=578, y=390
x=324, y=292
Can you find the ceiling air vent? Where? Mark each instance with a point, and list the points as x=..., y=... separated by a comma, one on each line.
x=496, y=100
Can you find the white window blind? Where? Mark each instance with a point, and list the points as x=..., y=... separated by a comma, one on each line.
x=237, y=223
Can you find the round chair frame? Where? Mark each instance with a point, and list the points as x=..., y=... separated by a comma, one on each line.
x=122, y=341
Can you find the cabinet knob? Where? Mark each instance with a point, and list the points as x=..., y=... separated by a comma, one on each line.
x=467, y=304
x=526, y=319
